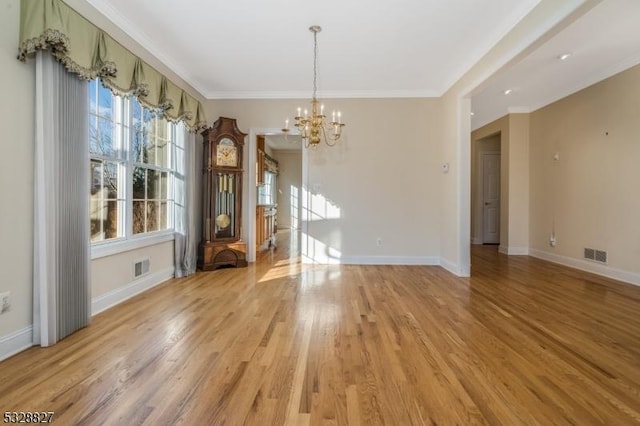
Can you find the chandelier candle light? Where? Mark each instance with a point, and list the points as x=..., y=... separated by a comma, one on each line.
x=313, y=128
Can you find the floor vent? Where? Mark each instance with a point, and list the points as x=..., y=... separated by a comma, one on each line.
x=140, y=268
x=596, y=255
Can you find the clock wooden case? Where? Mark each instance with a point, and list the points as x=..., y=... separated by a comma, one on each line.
x=221, y=244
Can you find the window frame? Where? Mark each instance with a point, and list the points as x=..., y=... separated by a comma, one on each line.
x=124, y=153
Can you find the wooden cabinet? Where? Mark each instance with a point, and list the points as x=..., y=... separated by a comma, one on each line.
x=266, y=210
x=266, y=226
x=221, y=243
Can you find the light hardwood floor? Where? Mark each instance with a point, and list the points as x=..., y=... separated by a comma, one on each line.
x=522, y=342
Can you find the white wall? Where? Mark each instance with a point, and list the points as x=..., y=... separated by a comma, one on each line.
x=380, y=181
x=289, y=188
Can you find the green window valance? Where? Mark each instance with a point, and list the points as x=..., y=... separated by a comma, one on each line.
x=89, y=52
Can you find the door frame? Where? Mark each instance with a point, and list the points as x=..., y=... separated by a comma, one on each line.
x=480, y=191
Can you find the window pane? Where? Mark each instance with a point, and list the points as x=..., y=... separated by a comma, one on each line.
x=93, y=96
x=139, y=142
x=110, y=179
x=164, y=176
x=105, y=102
x=164, y=214
x=138, y=217
x=139, y=183
x=104, y=207
x=136, y=113
x=153, y=184
x=102, y=138
x=161, y=153
x=111, y=219
x=153, y=216
x=96, y=176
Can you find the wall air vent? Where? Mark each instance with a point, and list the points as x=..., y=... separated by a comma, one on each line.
x=596, y=255
x=140, y=268
x=590, y=254
x=601, y=256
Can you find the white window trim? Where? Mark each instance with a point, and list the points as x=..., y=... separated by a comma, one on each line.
x=121, y=245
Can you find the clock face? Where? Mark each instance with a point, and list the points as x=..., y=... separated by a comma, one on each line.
x=227, y=153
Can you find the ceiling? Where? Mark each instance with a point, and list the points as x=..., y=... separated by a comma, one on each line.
x=602, y=42
x=230, y=49
x=248, y=49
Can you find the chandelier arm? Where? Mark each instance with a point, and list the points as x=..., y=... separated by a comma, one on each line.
x=332, y=137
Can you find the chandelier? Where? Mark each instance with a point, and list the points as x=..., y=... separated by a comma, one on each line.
x=313, y=127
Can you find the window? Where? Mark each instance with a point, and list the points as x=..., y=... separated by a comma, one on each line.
x=133, y=159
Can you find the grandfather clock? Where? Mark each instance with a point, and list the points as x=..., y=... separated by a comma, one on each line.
x=221, y=244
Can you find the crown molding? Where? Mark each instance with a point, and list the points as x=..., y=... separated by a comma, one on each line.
x=109, y=12
x=346, y=94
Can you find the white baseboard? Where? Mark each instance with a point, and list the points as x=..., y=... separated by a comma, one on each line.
x=455, y=269
x=518, y=251
x=121, y=294
x=513, y=251
x=16, y=342
x=390, y=260
x=583, y=265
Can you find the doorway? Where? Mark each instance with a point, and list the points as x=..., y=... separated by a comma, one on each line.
x=485, y=190
x=287, y=151
x=490, y=175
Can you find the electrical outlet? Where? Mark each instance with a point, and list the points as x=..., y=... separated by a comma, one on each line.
x=379, y=241
x=552, y=240
x=5, y=302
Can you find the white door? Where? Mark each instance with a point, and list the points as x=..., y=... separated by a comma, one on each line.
x=491, y=198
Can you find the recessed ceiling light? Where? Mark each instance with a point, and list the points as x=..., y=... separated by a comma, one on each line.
x=564, y=56
x=506, y=92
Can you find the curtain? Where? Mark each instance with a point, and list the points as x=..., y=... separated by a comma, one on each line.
x=185, y=213
x=89, y=52
x=62, y=299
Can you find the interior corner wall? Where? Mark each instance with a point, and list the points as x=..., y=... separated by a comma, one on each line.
x=589, y=196
x=518, y=155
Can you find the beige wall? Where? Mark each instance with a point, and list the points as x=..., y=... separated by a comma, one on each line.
x=590, y=195
x=382, y=177
x=16, y=172
x=518, y=184
x=289, y=187
x=111, y=273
